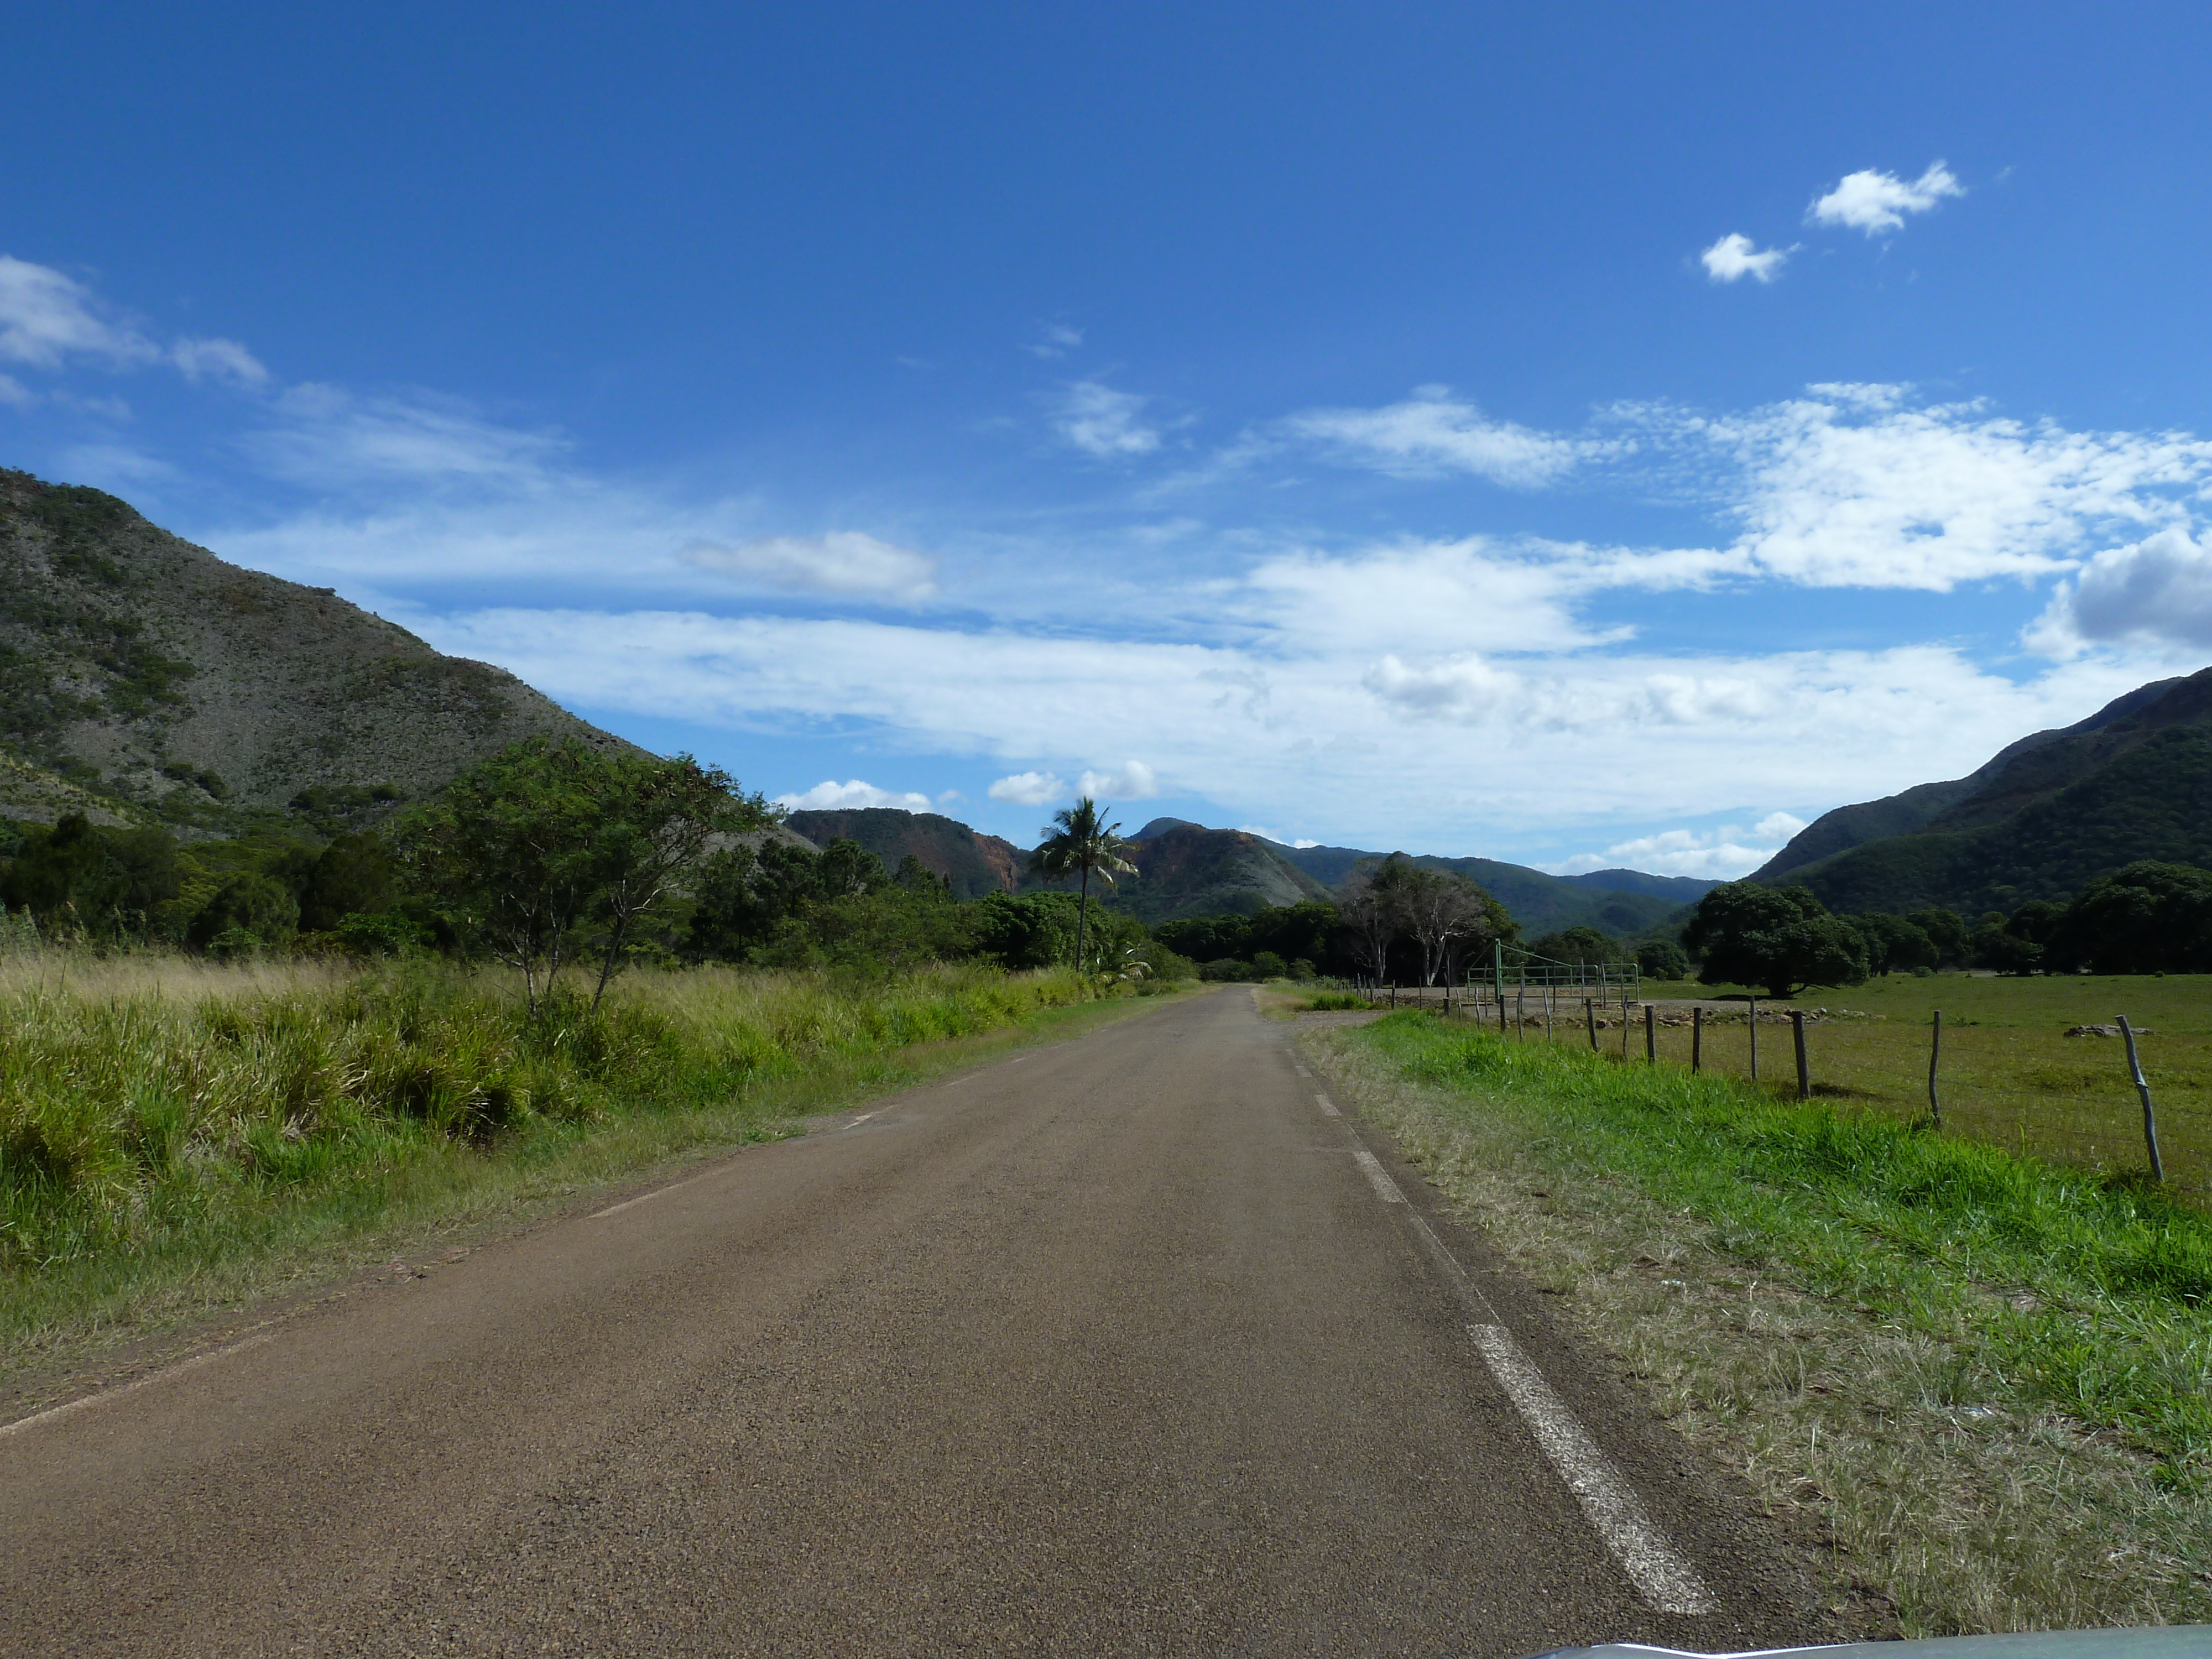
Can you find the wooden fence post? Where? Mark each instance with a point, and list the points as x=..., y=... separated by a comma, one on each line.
x=1754, y=1039
x=1697, y=1035
x=1589, y=1018
x=2142, y=1088
x=1650, y=1038
x=1935, y=1053
x=1804, y=1077
x=1520, y=1015
x=1393, y=993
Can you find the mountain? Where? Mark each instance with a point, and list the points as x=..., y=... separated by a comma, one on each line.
x=142, y=674
x=974, y=862
x=1187, y=870
x=1542, y=904
x=2043, y=817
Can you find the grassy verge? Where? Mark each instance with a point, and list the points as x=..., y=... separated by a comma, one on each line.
x=1986, y=1374
x=176, y=1139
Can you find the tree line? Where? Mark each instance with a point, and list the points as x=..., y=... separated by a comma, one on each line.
x=2147, y=918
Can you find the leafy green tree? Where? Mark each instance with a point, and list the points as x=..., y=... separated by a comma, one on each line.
x=1661, y=958
x=1578, y=944
x=1782, y=938
x=657, y=819
x=1079, y=843
x=513, y=848
x=1893, y=944
x=2149, y=918
x=246, y=902
x=82, y=878
x=354, y=875
x=1947, y=931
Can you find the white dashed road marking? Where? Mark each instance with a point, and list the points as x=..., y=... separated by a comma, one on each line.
x=1378, y=1177
x=1657, y=1569
x=1659, y=1572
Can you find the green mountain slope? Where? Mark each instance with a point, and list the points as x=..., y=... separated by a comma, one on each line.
x=2043, y=819
x=1542, y=904
x=975, y=863
x=151, y=676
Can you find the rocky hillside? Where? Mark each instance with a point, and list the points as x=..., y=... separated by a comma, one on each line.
x=2042, y=820
x=144, y=677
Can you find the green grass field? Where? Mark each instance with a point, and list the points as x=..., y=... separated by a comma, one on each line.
x=2010, y=1076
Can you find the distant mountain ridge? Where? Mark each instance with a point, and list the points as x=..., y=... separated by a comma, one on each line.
x=1187, y=869
x=2040, y=820
x=143, y=677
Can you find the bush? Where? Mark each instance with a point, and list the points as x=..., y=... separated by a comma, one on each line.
x=1661, y=958
x=1227, y=970
x=1267, y=965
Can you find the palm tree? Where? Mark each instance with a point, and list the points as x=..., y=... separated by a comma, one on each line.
x=1079, y=840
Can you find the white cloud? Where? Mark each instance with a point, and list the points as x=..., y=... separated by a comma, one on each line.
x=1875, y=201
x=1134, y=782
x=1779, y=827
x=328, y=438
x=2156, y=591
x=1852, y=486
x=46, y=317
x=842, y=563
x=14, y=393
x=1720, y=855
x=1057, y=340
x=830, y=796
x=1734, y=256
x=1266, y=834
x=1029, y=789
x=1431, y=435
x=1102, y=422
x=218, y=360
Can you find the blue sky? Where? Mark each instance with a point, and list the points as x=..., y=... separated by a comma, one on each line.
x=1579, y=436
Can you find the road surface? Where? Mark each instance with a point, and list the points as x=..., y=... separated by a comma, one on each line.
x=1131, y=1345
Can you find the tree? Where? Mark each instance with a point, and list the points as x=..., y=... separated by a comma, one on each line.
x=1579, y=944
x=656, y=820
x=512, y=846
x=1661, y=958
x=1894, y=945
x=2150, y=918
x=1782, y=938
x=1445, y=912
x=1947, y=931
x=1080, y=843
x=1372, y=906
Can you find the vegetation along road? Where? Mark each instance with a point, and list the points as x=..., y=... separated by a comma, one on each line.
x=1137, y=1343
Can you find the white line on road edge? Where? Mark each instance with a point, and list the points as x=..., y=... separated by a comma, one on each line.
x=1660, y=1574
x=1385, y=1188
x=1327, y=1106
x=193, y=1363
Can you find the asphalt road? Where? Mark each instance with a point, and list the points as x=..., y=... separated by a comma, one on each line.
x=1119, y=1346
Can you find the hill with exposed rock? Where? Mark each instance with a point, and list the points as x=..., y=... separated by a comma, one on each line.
x=143, y=679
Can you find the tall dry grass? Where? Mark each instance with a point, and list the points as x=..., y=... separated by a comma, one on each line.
x=163, y=1117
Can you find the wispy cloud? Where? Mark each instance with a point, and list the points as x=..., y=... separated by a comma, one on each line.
x=1735, y=256
x=1875, y=201
x=218, y=360
x=328, y=438
x=1056, y=340
x=830, y=796
x=1102, y=423
x=842, y=563
x=1432, y=434
x=46, y=317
